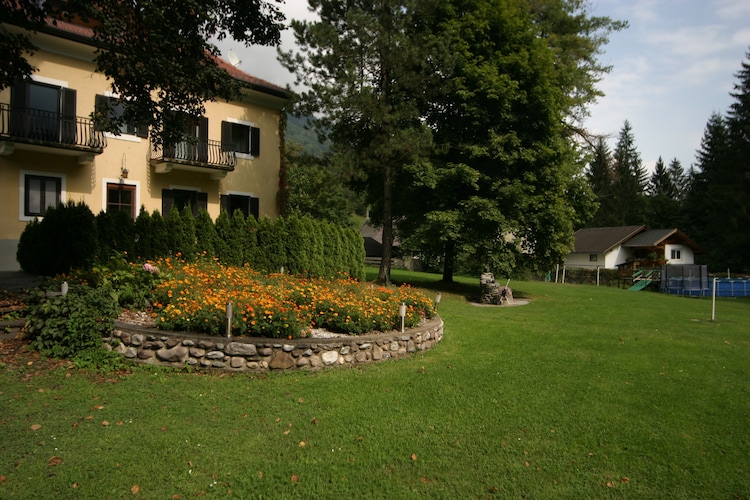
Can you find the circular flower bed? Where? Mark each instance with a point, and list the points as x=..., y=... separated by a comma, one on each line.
x=194, y=297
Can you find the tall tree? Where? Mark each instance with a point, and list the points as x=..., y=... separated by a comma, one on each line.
x=365, y=64
x=662, y=202
x=630, y=180
x=505, y=184
x=601, y=176
x=156, y=53
x=679, y=178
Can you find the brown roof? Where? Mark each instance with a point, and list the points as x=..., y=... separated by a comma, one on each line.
x=603, y=239
x=84, y=34
x=655, y=237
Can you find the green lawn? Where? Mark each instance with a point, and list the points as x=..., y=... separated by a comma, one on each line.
x=584, y=393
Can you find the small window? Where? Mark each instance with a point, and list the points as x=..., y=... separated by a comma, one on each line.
x=181, y=198
x=121, y=197
x=676, y=255
x=247, y=204
x=110, y=108
x=593, y=257
x=40, y=193
x=241, y=138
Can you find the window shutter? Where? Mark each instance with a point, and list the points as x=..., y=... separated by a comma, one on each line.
x=68, y=112
x=226, y=136
x=254, y=141
x=224, y=203
x=167, y=201
x=255, y=207
x=202, y=128
x=18, y=98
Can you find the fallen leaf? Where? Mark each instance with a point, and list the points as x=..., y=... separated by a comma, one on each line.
x=260, y=474
x=301, y=400
x=90, y=417
x=119, y=422
x=425, y=480
x=105, y=423
x=527, y=464
x=98, y=407
x=2, y=479
x=295, y=478
x=163, y=429
x=286, y=432
x=75, y=424
x=610, y=484
x=278, y=420
x=74, y=486
x=54, y=461
x=413, y=456
x=176, y=497
x=302, y=444
x=135, y=489
x=625, y=480
x=36, y=427
x=315, y=421
x=41, y=390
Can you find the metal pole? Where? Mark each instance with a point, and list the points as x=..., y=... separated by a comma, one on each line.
x=229, y=320
x=713, y=301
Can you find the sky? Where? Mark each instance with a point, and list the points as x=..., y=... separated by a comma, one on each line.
x=671, y=69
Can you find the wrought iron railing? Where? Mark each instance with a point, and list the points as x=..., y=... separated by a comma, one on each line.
x=210, y=154
x=35, y=126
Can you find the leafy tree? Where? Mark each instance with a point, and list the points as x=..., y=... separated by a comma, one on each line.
x=364, y=63
x=149, y=45
x=630, y=180
x=505, y=186
x=317, y=186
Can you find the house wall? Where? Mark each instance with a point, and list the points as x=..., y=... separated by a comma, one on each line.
x=687, y=256
x=69, y=64
x=610, y=260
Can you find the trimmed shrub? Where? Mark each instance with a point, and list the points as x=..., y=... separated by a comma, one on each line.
x=65, y=239
x=116, y=232
x=205, y=234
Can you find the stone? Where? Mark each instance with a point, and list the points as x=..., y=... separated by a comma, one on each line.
x=192, y=361
x=253, y=365
x=287, y=348
x=188, y=343
x=361, y=356
x=172, y=342
x=197, y=352
x=237, y=362
x=281, y=361
x=219, y=346
x=377, y=353
x=205, y=362
x=315, y=361
x=345, y=350
x=137, y=339
x=218, y=364
x=215, y=355
x=205, y=344
x=265, y=351
x=263, y=365
x=394, y=346
x=145, y=354
x=131, y=352
x=177, y=354
x=120, y=348
x=410, y=347
x=365, y=346
x=308, y=353
x=303, y=362
x=240, y=349
x=330, y=357
x=125, y=337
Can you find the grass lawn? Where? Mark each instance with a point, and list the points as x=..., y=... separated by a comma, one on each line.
x=584, y=393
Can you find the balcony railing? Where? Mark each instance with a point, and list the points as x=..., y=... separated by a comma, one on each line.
x=193, y=155
x=44, y=128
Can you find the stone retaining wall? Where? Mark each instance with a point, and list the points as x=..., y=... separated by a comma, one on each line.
x=179, y=349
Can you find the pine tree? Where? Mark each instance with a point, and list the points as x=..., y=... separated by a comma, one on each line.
x=600, y=175
x=630, y=180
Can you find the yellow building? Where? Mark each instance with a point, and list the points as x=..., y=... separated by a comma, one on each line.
x=51, y=150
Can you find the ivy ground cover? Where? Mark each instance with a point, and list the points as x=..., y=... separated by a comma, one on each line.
x=194, y=296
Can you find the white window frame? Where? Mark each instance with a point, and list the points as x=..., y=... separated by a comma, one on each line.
x=121, y=137
x=246, y=156
x=22, y=191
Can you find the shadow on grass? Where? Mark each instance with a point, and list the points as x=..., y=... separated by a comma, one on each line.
x=465, y=286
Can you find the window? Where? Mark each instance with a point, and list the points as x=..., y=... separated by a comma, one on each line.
x=242, y=137
x=121, y=197
x=676, y=255
x=181, y=198
x=593, y=257
x=247, y=204
x=40, y=193
x=110, y=108
x=43, y=112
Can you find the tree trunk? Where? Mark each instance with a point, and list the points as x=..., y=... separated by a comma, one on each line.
x=384, y=275
x=450, y=253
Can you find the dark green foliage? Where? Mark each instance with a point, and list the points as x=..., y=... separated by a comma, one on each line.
x=67, y=326
x=205, y=235
x=181, y=233
x=236, y=239
x=65, y=239
x=223, y=232
x=116, y=232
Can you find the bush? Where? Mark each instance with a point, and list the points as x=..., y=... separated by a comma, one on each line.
x=71, y=325
x=65, y=239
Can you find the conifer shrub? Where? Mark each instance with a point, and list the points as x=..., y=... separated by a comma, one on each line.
x=205, y=234
x=116, y=232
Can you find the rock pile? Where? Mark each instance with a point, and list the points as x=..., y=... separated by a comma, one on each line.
x=492, y=292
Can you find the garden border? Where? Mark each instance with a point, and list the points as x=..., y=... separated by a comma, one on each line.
x=253, y=354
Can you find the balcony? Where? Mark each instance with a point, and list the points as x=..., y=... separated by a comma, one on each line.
x=47, y=132
x=194, y=156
